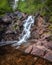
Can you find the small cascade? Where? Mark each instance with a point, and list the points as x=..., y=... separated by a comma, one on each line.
x=26, y=33
x=15, y=4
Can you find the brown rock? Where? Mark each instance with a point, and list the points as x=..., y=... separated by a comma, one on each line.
x=40, y=21
x=24, y=15
x=48, y=56
x=49, y=44
x=45, y=35
x=34, y=35
x=33, y=41
x=6, y=19
x=39, y=42
x=35, y=59
x=38, y=51
x=28, y=50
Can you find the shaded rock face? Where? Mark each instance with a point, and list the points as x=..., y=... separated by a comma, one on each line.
x=6, y=19
x=3, y=28
x=12, y=24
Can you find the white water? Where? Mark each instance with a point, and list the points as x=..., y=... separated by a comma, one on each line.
x=26, y=30
x=15, y=4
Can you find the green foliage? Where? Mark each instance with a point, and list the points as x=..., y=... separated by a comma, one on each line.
x=4, y=6
x=30, y=6
x=33, y=6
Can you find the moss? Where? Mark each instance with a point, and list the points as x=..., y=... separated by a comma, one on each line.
x=50, y=20
x=50, y=27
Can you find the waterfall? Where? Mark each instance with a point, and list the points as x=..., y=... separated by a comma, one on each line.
x=26, y=30
x=25, y=35
x=15, y=4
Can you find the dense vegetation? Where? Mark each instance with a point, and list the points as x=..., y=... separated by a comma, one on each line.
x=4, y=6
x=29, y=6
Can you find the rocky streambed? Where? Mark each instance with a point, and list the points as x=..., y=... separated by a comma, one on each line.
x=38, y=48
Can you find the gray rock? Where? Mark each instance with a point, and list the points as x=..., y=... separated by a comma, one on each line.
x=18, y=14
x=6, y=19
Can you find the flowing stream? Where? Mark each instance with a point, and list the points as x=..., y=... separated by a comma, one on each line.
x=25, y=35
x=26, y=30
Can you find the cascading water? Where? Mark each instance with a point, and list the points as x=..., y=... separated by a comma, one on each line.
x=25, y=33
x=15, y=4
x=26, y=30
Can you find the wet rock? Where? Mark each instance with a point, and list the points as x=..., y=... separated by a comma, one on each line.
x=35, y=59
x=2, y=31
x=19, y=23
x=14, y=27
x=18, y=14
x=41, y=31
x=7, y=19
x=39, y=42
x=33, y=41
x=24, y=16
x=40, y=21
x=49, y=44
x=38, y=51
x=29, y=49
x=35, y=35
x=1, y=21
x=44, y=43
x=9, y=32
x=45, y=35
x=49, y=38
x=48, y=56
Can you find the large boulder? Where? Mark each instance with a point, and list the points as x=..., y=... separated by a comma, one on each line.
x=38, y=50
